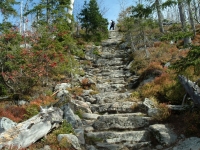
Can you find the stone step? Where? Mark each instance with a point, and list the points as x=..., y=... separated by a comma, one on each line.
x=110, y=80
x=90, y=116
x=112, y=137
x=121, y=121
x=111, y=106
x=108, y=87
x=106, y=67
x=124, y=146
x=106, y=97
x=113, y=54
x=109, y=62
x=98, y=70
x=111, y=42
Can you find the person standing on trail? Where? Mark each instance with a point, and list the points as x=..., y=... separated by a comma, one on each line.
x=112, y=25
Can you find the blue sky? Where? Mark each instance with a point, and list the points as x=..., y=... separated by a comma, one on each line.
x=112, y=6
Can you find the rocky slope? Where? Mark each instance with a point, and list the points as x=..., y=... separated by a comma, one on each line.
x=117, y=121
x=109, y=118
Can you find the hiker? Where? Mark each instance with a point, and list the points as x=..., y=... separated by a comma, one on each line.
x=112, y=25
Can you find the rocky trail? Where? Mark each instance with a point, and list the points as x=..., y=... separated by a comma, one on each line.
x=104, y=116
x=115, y=121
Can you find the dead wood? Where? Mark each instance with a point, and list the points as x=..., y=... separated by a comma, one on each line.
x=24, y=134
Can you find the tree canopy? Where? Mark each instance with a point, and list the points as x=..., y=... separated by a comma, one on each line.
x=92, y=20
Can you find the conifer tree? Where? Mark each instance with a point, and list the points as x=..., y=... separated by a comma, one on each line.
x=7, y=10
x=92, y=20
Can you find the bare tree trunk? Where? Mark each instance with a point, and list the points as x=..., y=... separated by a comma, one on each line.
x=191, y=17
x=70, y=10
x=48, y=11
x=159, y=16
x=195, y=11
x=183, y=20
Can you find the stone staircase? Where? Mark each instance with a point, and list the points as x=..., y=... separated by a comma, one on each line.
x=117, y=122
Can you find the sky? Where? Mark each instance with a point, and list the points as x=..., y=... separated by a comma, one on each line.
x=112, y=7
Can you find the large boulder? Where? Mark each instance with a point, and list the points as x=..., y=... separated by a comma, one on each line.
x=163, y=133
x=70, y=117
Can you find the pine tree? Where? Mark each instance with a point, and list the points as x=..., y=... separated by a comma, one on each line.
x=50, y=10
x=92, y=20
x=7, y=10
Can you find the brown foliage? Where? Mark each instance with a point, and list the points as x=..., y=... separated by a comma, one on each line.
x=157, y=44
x=15, y=113
x=43, y=100
x=85, y=83
x=191, y=123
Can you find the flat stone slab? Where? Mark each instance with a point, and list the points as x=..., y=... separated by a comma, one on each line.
x=122, y=107
x=107, y=62
x=110, y=97
x=112, y=137
x=108, y=87
x=133, y=121
x=90, y=116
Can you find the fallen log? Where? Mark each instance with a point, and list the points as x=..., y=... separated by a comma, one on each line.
x=192, y=89
x=24, y=134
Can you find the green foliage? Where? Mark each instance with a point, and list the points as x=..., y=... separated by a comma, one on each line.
x=168, y=3
x=191, y=60
x=51, y=139
x=140, y=11
x=96, y=52
x=175, y=35
x=65, y=128
x=31, y=111
x=163, y=112
x=54, y=12
x=3, y=90
x=93, y=22
x=79, y=113
x=7, y=8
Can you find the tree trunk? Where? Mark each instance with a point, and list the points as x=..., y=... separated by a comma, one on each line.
x=191, y=17
x=159, y=16
x=48, y=11
x=195, y=11
x=183, y=20
x=70, y=10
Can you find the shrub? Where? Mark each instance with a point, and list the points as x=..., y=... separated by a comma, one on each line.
x=6, y=113
x=65, y=128
x=134, y=106
x=76, y=91
x=85, y=83
x=191, y=123
x=14, y=113
x=32, y=110
x=163, y=112
x=17, y=111
x=79, y=113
